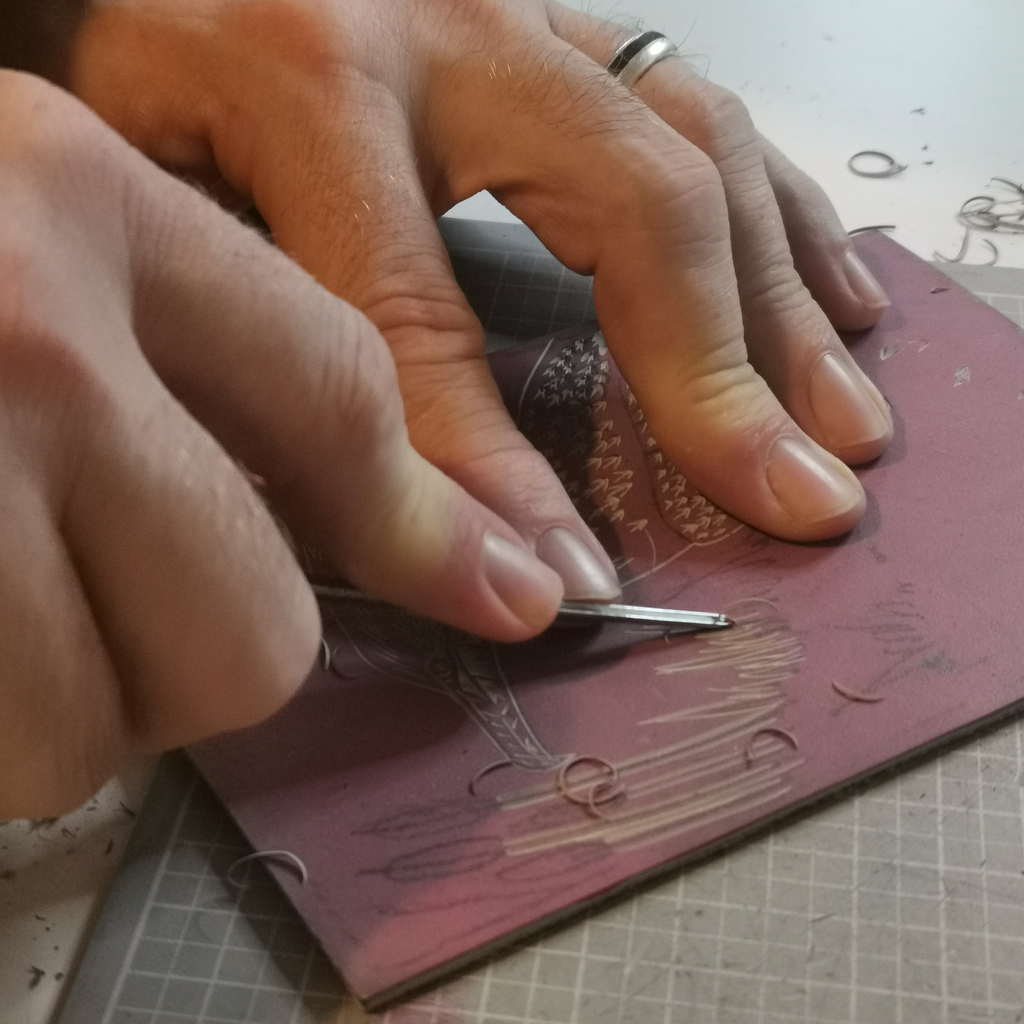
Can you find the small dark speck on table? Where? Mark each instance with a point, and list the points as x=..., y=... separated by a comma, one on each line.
x=37, y=976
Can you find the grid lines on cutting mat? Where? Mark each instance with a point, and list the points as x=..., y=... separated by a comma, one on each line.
x=206, y=951
x=903, y=904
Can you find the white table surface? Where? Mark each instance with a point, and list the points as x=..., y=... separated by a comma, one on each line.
x=823, y=79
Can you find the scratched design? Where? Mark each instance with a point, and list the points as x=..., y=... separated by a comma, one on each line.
x=366, y=775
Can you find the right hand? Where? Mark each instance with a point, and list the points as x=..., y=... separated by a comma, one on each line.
x=147, y=341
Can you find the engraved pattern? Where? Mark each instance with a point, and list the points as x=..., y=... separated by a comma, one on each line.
x=432, y=656
x=682, y=507
x=565, y=418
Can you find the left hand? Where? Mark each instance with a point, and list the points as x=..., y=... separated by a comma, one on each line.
x=717, y=265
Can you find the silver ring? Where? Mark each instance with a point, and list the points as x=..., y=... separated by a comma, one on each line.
x=637, y=55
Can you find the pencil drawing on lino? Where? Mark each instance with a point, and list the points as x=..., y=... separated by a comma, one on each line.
x=699, y=754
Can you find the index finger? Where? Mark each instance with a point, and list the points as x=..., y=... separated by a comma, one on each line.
x=613, y=191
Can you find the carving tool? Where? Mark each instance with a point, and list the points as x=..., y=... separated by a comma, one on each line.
x=671, y=620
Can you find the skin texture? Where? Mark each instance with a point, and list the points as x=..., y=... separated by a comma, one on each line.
x=719, y=269
x=148, y=344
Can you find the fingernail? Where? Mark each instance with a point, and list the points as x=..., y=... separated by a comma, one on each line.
x=809, y=483
x=584, y=576
x=848, y=413
x=526, y=586
x=863, y=282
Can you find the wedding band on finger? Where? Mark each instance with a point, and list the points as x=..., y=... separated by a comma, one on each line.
x=637, y=55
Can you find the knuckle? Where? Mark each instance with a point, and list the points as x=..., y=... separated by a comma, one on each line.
x=429, y=328
x=487, y=19
x=453, y=432
x=415, y=316
x=724, y=394
x=718, y=106
x=300, y=37
x=716, y=119
x=677, y=195
x=724, y=107
x=55, y=399
x=782, y=291
x=357, y=387
x=47, y=132
x=40, y=365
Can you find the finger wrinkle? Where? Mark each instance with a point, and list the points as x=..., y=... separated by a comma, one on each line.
x=780, y=297
x=712, y=394
x=446, y=430
x=352, y=391
x=713, y=118
x=407, y=261
x=500, y=464
x=455, y=432
x=441, y=327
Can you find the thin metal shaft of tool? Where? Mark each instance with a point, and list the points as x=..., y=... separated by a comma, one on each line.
x=670, y=619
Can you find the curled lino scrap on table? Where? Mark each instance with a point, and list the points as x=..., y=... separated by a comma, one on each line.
x=988, y=213
x=325, y=655
x=889, y=169
x=871, y=227
x=960, y=255
x=1016, y=186
x=601, y=792
x=285, y=856
x=768, y=730
x=486, y=770
x=855, y=695
x=995, y=254
x=976, y=212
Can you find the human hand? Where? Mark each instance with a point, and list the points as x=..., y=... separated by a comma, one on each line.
x=147, y=598
x=717, y=265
